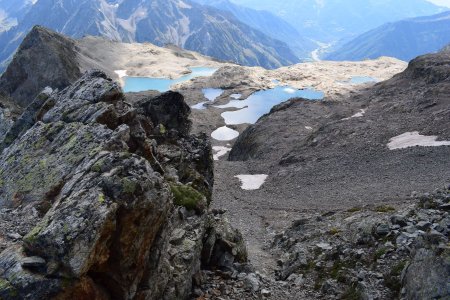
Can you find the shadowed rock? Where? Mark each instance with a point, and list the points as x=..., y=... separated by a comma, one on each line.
x=44, y=58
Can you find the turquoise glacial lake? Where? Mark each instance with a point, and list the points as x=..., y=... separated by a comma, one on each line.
x=140, y=84
x=261, y=102
x=211, y=95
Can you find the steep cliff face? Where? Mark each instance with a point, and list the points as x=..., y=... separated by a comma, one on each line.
x=43, y=58
x=104, y=198
x=268, y=23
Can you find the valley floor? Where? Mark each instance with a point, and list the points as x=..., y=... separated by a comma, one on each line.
x=335, y=190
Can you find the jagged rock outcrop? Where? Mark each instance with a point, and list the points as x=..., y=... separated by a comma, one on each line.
x=373, y=252
x=101, y=198
x=43, y=58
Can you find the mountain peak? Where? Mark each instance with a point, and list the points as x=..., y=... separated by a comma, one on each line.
x=44, y=56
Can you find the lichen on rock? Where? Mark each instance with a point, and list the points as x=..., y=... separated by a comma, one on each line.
x=111, y=204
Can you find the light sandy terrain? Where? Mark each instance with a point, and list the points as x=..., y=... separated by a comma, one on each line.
x=333, y=77
x=148, y=60
x=135, y=59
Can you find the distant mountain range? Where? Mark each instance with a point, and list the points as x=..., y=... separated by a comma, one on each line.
x=268, y=23
x=186, y=24
x=404, y=39
x=263, y=33
x=332, y=20
x=10, y=12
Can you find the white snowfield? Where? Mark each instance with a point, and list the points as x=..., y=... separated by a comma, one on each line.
x=412, y=139
x=252, y=182
x=220, y=151
x=224, y=134
x=360, y=114
x=121, y=73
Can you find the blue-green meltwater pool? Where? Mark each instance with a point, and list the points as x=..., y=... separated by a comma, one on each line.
x=140, y=84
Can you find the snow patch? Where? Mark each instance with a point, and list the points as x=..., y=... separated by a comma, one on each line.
x=252, y=182
x=361, y=114
x=220, y=151
x=224, y=134
x=47, y=90
x=121, y=73
x=412, y=139
x=184, y=5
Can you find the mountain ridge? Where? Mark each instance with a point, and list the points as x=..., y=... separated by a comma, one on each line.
x=404, y=40
x=183, y=23
x=268, y=23
x=331, y=20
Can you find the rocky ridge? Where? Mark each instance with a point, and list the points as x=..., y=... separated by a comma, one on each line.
x=104, y=198
x=29, y=71
x=412, y=32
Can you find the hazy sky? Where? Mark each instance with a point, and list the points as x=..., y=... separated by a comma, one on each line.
x=441, y=2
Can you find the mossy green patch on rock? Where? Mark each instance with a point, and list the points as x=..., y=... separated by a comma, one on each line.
x=129, y=186
x=162, y=129
x=4, y=284
x=7, y=288
x=393, y=280
x=185, y=195
x=32, y=235
x=101, y=198
x=384, y=209
x=39, y=161
x=354, y=209
x=97, y=167
x=352, y=293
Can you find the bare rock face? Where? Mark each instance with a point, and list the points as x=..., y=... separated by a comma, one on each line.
x=90, y=201
x=434, y=268
x=43, y=57
x=8, y=114
x=5, y=122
